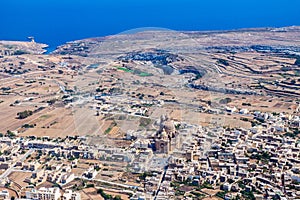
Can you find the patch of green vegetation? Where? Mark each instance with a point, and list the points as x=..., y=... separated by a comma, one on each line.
x=123, y=69
x=177, y=126
x=244, y=119
x=225, y=101
x=20, y=52
x=144, y=122
x=223, y=62
x=144, y=175
x=99, y=71
x=221, y=194
x=297, y=62
x=45, y=116
x=289, y=134
x=10, y=134
x=144, y=74
x=197, y=194
x=57, y=185
x=264, y=156
x=107, y=196
x=52, y=123
x=248, y=195
x=293, y=134
x=113, y=124
x=8, y=46
x=137, y=72
x=206, y=185
x=260, y=120
x=1, y=101
x=297, y=72
x=241, y=185
x=107, y=131
x=285, y=75
x=175, y=185
x=285, y=68
x=147, y=105
x=179, y=193
x=28, y=126
x=93, y=66
x=90, y=185
x=255, y=123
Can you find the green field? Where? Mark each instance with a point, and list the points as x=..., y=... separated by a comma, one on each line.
x=124, y=69
x=143, y=74
x=107, y=131
x=137, y=72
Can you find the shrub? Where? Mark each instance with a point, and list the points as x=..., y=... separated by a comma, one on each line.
x=225, y=101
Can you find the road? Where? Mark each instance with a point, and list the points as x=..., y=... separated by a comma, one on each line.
x=22, y=158
x=161, y=180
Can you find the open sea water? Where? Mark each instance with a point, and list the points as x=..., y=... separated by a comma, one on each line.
x=55, y=22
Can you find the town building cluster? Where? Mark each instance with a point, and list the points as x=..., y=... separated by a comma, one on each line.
x=178, y=160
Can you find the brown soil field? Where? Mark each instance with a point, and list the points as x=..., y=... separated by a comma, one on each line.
x=90, y=193
x=19, y=177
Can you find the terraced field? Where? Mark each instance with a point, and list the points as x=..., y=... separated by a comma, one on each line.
x=190, y=72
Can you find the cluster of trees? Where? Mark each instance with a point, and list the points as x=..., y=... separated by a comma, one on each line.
x=24, y=114
x=263, y=156
x=28, y=125
x=223, y=62
x=108, y=196
x=9, y=134
x=144, y=175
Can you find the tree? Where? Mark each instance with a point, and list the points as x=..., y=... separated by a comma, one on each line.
x=209, y=103
x=293, y=82
x=117, y=198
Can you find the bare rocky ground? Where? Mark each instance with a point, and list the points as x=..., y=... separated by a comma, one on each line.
x=19, y=48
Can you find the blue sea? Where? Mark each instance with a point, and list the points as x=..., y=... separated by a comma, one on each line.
x=55, y=22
